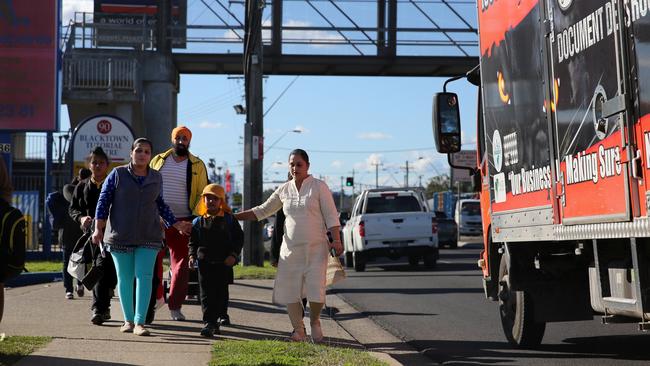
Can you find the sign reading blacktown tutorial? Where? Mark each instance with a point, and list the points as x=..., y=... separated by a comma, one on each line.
x=111, y=133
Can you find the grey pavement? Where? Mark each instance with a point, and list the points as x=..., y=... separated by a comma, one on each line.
x=42, y=310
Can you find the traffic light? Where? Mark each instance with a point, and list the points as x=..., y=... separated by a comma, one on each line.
x=349, y=181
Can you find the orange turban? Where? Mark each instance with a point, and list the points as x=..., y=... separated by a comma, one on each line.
x=217, y=191
x=181, y=130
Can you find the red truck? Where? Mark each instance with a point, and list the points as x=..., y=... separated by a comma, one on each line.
x=563, y=160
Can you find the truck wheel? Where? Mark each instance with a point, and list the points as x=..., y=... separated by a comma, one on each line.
x=349, y=263
x=517, y=313
x=430, y=260
x=359, y=262
x=453, y=244
x=414, y=260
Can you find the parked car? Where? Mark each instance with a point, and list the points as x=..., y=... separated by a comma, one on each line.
x=447, y=230
x=393, y=223
x=468, y=217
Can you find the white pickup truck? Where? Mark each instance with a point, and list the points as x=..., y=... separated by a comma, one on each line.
x=393, y=223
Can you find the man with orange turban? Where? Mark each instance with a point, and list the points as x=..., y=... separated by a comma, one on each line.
x=184, y=176
x=215, y=244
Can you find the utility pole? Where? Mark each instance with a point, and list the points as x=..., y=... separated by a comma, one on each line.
x=253, y=131
x=376, y=174
x=341, y=196
x=407, y=174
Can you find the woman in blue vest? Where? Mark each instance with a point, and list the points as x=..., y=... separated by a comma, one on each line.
x=129, y=208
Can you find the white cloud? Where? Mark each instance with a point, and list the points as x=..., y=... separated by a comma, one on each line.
x=337, y=164
x=374, y=136
x=467, y=139
x=206, y=124
x=69, y=7
x=369, y=164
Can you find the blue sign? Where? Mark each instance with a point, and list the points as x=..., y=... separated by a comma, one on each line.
x=27, y=202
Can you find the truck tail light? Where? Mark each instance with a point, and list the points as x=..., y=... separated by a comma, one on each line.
x=362, y=229
x=434, y=226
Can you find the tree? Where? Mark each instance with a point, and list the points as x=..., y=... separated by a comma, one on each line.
x=439, y=183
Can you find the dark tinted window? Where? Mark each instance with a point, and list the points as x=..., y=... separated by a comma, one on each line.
x=392, y=204
x=471, y=208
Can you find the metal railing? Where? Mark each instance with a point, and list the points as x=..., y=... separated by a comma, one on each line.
x=87, y=32
x=91, y=73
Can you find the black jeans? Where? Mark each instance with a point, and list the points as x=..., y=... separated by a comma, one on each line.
x=67, y=279
x=102, y=290
x=213, y=283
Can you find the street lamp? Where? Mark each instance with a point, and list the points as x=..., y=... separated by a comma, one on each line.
x=239, y=109
x=295, y=130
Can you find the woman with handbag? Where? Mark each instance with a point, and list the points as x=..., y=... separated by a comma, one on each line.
x=130, y=207
x=82, y=210
x=310, y=212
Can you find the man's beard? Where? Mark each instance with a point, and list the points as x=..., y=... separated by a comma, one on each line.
x=180, y=150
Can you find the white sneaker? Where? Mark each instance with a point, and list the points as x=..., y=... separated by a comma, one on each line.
x=160, y=303
x=69, y=295
x=177, y=315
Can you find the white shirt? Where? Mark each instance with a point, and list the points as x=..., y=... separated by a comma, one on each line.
x=175, y=186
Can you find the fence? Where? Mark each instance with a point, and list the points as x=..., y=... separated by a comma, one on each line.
x=100, y=73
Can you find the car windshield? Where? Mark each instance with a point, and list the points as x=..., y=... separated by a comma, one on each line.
x=471, y=208
x=392, y=204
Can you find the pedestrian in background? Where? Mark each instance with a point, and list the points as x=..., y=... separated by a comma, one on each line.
x=215, y=244
x=184, y=176
x=130, y=207
x=68, y=232
x=82, y=210
x=310, y=212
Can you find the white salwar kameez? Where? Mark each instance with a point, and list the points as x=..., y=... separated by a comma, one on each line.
x=303, y=255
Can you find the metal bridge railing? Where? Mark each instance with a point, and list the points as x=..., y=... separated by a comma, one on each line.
x=100, y=73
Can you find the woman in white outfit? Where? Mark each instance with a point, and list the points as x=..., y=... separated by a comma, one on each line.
x=310, y=212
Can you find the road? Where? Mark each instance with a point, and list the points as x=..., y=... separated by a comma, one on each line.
x=444, y=314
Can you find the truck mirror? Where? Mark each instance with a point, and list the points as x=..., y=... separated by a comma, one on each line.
x=446, y=123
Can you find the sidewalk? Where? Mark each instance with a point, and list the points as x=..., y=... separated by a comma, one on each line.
x=42, y=310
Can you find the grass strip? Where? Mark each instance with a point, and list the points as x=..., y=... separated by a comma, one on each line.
x=44, y=266
x=254, y=272
x=262, y=353
x=14, y=348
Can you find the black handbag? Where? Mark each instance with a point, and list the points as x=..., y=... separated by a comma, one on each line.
x=96, y=272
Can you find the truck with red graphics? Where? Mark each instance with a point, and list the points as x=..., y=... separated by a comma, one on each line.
x=563, y=160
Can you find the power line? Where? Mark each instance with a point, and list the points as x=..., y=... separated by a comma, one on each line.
x=360, y=151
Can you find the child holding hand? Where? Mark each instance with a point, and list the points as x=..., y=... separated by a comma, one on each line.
x=215, y=244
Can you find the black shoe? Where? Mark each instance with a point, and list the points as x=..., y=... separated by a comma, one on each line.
x=209, y=330
x=97, y=318
x=106, y=315
x=224, y=320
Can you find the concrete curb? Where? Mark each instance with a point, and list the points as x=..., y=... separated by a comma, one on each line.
x=373, y=337
x=34, y=278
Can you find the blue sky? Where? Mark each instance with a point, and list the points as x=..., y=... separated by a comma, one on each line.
x=346, y=122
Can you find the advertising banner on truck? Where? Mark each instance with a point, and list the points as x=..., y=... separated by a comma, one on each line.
x=586, y=58
x=516, y=130
x=28, y=65
x=128, y=23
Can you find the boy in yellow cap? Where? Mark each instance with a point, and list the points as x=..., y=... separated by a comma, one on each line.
x=215, y=244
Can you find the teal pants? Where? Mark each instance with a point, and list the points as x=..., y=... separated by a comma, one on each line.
x=137, y=265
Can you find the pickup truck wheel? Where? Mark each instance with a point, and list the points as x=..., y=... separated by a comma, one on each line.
x=414, y=260
x=430, y=260
x=349, y=263
x=517, y=313
x=453, y=244
x=359, y=262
